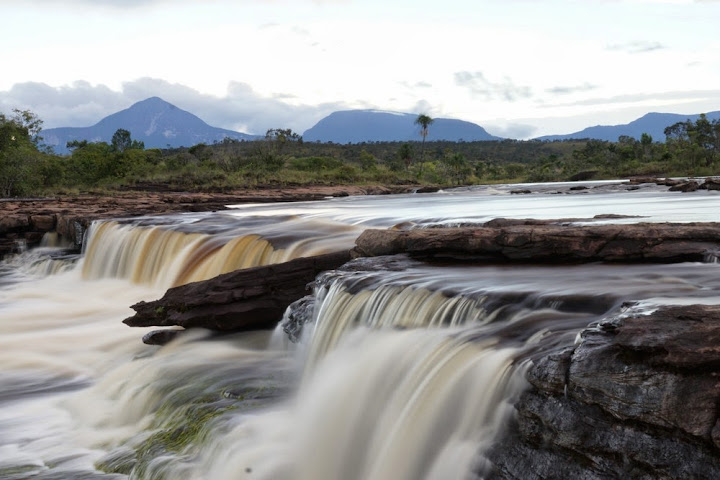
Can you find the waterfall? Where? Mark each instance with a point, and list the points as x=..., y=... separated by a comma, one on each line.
x=168, y=255
x=399, y=369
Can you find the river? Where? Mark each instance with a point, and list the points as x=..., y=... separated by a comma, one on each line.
x=400, y=373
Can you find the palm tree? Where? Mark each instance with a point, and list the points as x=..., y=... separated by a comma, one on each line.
x=424, y=121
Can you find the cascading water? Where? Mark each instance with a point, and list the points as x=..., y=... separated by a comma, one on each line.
x=408, y=372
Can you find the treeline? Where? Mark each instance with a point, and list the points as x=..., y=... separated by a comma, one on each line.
x=282, y=158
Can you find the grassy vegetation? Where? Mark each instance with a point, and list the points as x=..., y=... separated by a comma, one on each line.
x=283, y=159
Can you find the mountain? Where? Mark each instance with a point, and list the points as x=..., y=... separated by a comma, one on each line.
x=651, y=123
x=356, y=126
x=153, y=121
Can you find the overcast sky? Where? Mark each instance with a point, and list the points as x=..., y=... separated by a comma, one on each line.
x=519, y=68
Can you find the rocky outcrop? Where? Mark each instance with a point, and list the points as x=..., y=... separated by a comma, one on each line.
x=638, y=397
x=254, y=298
x=23, y=222
x=676, y=185
x=690, y=186
x=550, y=243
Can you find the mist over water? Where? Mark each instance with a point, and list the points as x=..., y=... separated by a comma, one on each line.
x=396, y=375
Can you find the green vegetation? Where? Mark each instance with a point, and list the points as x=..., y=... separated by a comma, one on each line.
x=424, y=121
x=283, y=159
x=184, y=414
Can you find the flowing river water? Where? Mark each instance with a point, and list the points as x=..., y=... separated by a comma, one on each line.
x=398, y=370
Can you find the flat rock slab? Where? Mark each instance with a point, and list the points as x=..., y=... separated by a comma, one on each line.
x=249, y=299
x=550, y=243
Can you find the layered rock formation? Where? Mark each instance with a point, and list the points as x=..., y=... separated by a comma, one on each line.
x=549, y=243
x=636, y=398
x=254, y=298
x=23, y=222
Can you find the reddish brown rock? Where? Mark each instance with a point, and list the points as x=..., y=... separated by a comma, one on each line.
x=690, y=186
x=72, y=214
x=650, y=242
x=253, y=298
x=43, y=223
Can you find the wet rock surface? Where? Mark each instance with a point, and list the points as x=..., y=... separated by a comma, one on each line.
x=25, y=221
x=250, y=299
x=636, y=398
x=550, y=243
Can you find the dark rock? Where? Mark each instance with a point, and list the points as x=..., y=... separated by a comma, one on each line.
x=161, y=337
x=583, y=176
x=297, y=315
x=254, y=298
x=638, y=400
x=690, y=186
x=549, y=243
x=43, y=223
x=427, y=189
x=520, y=192
x=711, y=183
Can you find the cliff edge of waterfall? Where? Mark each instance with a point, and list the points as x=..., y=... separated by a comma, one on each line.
x=256, y=298
x=25, y=221
x=636, y=397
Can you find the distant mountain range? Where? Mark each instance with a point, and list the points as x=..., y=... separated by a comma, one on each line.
x=653, y=124
x=160, y=124
x=356, y=126
x=153, y=121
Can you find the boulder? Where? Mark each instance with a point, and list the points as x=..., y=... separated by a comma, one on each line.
x=711, y=183
x=249, y=299
x=636, y=398
x=690, y=186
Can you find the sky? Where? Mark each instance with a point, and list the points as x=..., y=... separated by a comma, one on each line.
x=519, y=68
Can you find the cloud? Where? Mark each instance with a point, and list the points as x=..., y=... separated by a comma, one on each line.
x=511, y=130
x=125, y=4
x=481, y=86
x=566, y=90
x=637, y=47
x=241, y=108
x=682, y=95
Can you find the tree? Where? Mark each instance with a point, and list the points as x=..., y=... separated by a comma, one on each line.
x=368, y=162
x=282, y=137
x=405, y=153
x=122, y=141
x=73, y=144
x=19, y=156
x=457, y=167
x=695, y=139
x=424, y=121
x=29, y=122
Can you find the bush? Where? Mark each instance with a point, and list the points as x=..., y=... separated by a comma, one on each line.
x=314, y=164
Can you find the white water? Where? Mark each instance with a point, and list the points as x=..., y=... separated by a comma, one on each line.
x=401, y=375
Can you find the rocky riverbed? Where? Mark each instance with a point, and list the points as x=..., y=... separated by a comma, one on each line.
x=23, y=222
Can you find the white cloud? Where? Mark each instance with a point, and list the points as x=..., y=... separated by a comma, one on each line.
x=241, y=108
